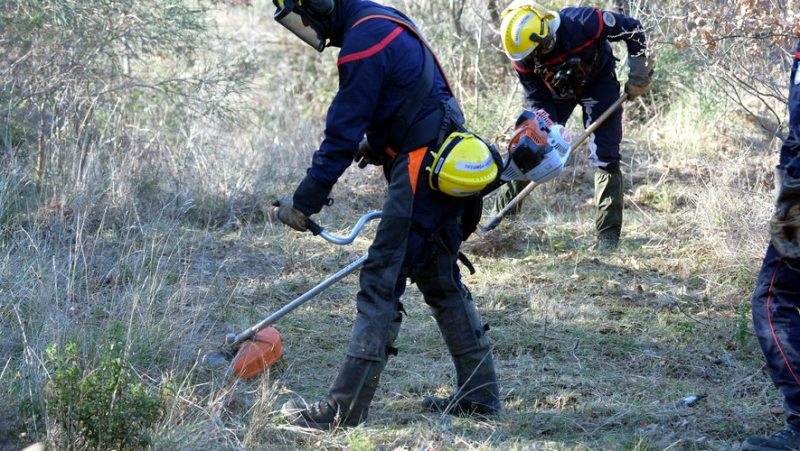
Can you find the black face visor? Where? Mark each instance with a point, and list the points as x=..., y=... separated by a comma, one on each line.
x=301, y=24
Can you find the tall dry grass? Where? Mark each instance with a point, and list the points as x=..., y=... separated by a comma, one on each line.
x=154, y=220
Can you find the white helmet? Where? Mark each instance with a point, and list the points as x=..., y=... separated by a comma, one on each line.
x=538, y=149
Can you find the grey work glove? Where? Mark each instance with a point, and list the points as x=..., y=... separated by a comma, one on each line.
x=289, y=215
x=364, y=156
x=784, y=227
x=638, y=77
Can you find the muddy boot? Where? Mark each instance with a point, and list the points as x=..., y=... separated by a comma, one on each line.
x=342, y=407
x=464, y=334
x=608, y=199
x=477, y=392
x=783, y=440
x=350, y=394
x=504, y=196
x=360, y=406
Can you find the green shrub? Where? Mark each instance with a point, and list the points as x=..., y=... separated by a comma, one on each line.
x=100, y=407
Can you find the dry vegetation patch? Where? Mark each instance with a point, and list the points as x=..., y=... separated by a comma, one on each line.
x=149, y=226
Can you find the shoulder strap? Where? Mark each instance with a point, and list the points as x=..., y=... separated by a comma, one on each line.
x=571, y=51
x=414, y=101
x=375, y=12
x=406, y=135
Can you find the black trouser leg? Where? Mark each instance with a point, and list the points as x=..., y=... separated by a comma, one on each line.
x=463, y=332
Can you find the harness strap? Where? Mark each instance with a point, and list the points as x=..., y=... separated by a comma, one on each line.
x=437, y=239
x=406, y=134
x=580, y=47
x=465, y=261
x=412, y=105
x=381, y=13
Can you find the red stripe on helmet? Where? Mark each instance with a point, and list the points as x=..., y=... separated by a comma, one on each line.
x=372, y=50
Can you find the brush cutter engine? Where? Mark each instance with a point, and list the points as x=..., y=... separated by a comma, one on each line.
x=538, y=149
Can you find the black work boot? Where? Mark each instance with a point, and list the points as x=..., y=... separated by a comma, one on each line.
x=345, y=406
x=784, y=440
x=324, y=415
x=341, y=389
x=477, y=392
x=608, y=200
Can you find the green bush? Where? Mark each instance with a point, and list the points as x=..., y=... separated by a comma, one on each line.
x=100, y=407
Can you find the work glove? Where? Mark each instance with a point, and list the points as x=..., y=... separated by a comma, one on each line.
x=289, y=215
x=638, y=77
x=364, y=156
x=310, y=196
x=784, y=227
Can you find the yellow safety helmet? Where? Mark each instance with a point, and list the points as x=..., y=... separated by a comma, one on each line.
x=463, y=166
x=525, y=29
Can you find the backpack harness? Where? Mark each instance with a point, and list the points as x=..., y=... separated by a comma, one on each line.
x=406, y=134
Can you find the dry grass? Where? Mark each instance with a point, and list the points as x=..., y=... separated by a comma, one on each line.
x=593, y=351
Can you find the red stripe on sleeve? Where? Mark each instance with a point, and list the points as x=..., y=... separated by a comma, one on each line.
x=521, y=70
x=587, y=44
x=602, y=24
x=372, y=50
x=797, y=55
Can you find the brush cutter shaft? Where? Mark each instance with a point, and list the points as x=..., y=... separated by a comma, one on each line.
x=316, y=230
x=591, y=128
x=502, y=214
x=531, y=186
x=251, y=332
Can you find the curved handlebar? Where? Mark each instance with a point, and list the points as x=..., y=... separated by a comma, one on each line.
x=316, y=229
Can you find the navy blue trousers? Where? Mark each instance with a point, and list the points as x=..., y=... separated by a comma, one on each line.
x=595, y=99
x=776, y=320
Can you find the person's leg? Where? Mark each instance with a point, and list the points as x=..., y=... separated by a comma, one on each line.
x=341, y=388
x=775, y=302
x=505, y=194
x=463, y=333
x=608, y=200
x=604, y=154
x=382, y=281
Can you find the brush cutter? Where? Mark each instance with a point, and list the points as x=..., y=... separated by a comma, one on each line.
x=255, y=349
x=531, y=186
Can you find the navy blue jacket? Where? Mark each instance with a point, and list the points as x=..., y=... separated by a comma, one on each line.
x=379, y=62
x=584, y=32
x=790, y=151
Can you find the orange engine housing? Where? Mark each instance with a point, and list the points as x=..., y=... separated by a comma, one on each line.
x=528, y=126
